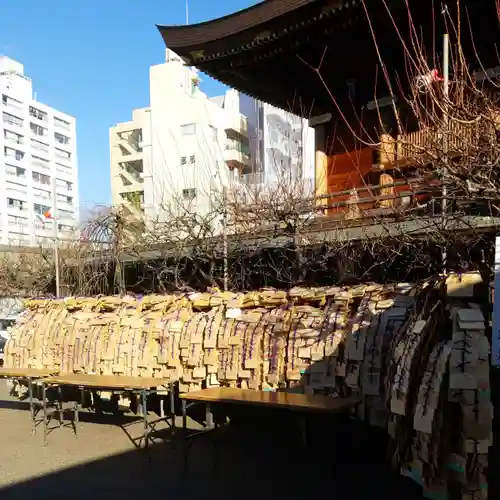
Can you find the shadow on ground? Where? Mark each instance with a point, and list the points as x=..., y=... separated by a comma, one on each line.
x=253, y=459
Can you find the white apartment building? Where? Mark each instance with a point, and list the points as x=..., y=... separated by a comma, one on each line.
x=182, y=150
x=38, y=164
x=186, y=148
x=281, y=145
x=127, y=159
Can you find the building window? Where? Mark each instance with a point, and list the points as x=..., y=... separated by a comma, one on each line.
x=62, y=198
x=13, y=153
x=189, y=194
x=41, y=178
x=59, y=122
x=15, y=171
x=60, y=138
x=38, y=160
x=38, y=129
x=192, y=159
x=15, y=219
x=10, y=101
x=36, y=113
x=41, y=193
x=183, y=160
x=18, y=204
x=62, y=154
x=12, y=137
x=12, y=120
x=66, y=214
x=41, y=209
x=40, y=146
x=64, y=184
x=188, y=129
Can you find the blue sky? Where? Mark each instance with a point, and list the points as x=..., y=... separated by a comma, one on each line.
x=91, y=58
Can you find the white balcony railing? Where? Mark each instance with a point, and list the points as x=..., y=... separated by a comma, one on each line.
x=13, y=105
x=14, y=159
x=14, y=142
x=61, y=124
x=254, y=178
x=238, y=123
x=132, y=172
x=13, y=122
x=41, y=195
x=233, y=153
x=41, y=164
x=40, y=147
x=15, y=175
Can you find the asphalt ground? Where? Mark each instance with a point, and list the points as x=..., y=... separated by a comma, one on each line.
x=260, y=458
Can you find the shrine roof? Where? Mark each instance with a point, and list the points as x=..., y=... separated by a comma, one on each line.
x=238, y=49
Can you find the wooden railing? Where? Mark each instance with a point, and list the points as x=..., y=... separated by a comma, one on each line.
x=431, y=141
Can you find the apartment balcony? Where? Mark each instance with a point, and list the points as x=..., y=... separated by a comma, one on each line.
x=18, y=228
x=17, y=176
x=129, y=144
x=15, y=160
x=40, y=148
x=236, y=157
x=133, y=200
x=13, y=106
x=42, y=195
x=39, y=164
x=132, y=172
x=64, y=172
x=13, y=143
x=13, y=123
x=253, y=179
x=61, y=124
x=238, y=124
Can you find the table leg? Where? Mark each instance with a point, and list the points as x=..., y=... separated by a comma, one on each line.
x=45, y=416
x=184, y=416
x=303, y=430
x=76, y=410
x=184, y=435
x=60, y=404
x=32, y=407
x=209, y=417
x=210, y=426
x=145, y=417
x=172, y=406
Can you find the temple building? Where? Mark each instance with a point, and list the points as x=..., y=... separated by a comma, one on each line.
x=349, y=67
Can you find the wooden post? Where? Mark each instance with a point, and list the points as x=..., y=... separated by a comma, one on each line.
x=321, y=165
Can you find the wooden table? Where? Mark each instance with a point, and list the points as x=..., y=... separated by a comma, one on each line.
x=300, y=404
x=28, y=374
x=144, y=386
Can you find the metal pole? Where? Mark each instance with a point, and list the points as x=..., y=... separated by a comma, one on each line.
x=55, y=234
x=224, y=238
x=446, y=92
x=187, y=11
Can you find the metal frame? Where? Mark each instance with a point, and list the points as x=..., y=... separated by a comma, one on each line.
x=210, y=426
x=31, y=398
x=143, y=393
x=300, y=415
